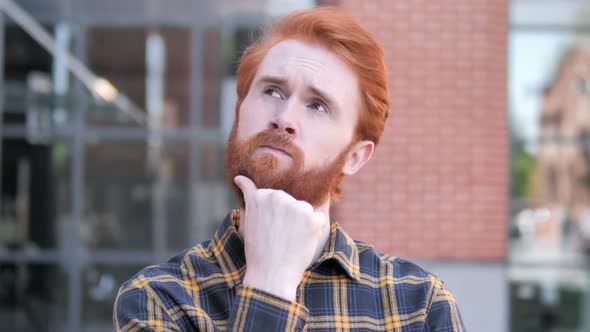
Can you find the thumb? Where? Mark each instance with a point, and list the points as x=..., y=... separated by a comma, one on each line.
x=246, y=186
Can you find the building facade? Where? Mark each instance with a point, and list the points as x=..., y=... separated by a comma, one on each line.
x=95, y=189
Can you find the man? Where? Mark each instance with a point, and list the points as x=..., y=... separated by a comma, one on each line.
x=312, y=103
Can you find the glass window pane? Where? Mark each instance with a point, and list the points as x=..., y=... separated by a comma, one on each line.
x=100, y=284
x=36, y=190
x=131, y=191
x=150, y=68
x=550, y=237
x=33, y=297
x=213, y=196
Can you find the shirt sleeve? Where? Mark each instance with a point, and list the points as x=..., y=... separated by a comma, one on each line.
x=257, y=310
x=136, y=310
x=443, y=313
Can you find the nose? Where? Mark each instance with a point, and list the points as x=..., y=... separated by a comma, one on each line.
x=285, y=119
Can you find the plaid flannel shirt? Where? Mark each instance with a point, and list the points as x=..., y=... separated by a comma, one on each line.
x=350, y=287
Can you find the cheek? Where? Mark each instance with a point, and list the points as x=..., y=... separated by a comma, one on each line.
x=324, y=148
x=329, y=141
x=244, y=130
x=250, y=122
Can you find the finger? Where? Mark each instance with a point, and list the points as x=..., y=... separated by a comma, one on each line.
x=305, y=206
x=246, y=186
x=320, y=218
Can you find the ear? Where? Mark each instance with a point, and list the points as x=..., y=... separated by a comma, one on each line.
x=358, y=156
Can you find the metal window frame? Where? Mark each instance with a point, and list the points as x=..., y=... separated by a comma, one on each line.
x=75, y=258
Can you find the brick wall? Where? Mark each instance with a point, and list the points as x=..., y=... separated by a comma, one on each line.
x=437, y=186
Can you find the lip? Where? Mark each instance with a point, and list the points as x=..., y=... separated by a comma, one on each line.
x=275, y=149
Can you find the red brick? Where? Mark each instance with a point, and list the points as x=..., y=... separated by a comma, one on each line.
x=437, y=184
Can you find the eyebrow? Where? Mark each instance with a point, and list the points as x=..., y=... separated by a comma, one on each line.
x=314, y=90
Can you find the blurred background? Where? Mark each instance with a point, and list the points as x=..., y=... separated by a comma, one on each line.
x=114, y=117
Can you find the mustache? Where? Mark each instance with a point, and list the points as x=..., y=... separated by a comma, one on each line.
x=276, y=140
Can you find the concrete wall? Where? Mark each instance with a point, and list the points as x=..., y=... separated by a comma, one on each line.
x=481, y=290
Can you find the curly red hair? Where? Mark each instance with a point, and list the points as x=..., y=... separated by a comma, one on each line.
x=343, y=35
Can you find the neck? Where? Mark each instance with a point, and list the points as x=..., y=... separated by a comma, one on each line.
x=325, y=209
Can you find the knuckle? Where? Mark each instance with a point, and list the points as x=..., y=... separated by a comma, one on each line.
x=276, y=196
x=305, y=207
x=285, y=197
x=260, y=195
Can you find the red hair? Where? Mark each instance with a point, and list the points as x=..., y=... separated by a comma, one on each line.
x=343, y=35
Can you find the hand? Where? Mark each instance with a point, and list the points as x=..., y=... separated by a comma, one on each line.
x=281, y=236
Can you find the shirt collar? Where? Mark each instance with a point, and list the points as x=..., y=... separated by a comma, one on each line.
x=341, y=248
x=228, y=248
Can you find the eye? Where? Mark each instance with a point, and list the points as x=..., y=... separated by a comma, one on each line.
x=273, y=93
x=319, y=107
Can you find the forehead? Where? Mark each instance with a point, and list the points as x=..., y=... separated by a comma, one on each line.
x=304, y=64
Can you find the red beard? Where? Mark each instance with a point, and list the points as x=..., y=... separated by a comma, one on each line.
x=266, y=170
